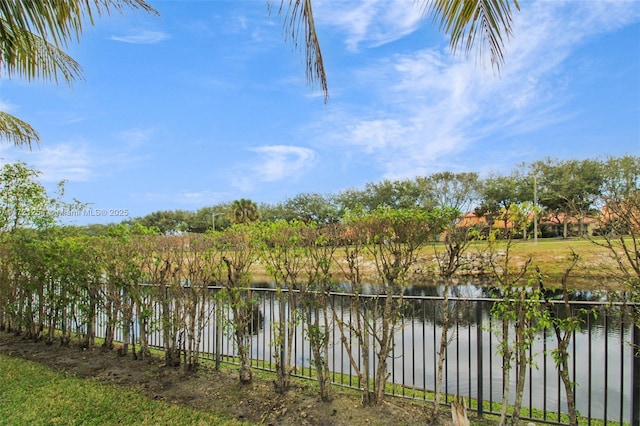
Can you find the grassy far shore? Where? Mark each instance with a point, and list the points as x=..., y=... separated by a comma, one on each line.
x=552, y=256
x=596, y=268
x=33, y=394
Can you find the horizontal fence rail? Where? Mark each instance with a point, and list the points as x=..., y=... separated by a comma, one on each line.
x=601, y=353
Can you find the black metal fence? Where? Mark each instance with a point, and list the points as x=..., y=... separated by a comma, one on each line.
x=604, y=366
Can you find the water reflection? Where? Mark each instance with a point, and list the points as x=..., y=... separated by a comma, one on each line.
x=591, y=307
x=600, y=354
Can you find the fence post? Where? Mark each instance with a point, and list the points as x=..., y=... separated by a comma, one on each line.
x=479, y=350
x=635, y=392
x=218, y=349
x=284, y=334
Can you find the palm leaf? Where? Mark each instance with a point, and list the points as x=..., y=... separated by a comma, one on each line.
x=467, y=20
x=298, y=18
x=32, y=57
x=32, y=35
x=60, y=20
x=17, y=131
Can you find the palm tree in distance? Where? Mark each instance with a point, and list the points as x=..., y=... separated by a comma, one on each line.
x=33, y=35
x=244, y=211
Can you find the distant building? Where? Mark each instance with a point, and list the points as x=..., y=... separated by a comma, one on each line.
x=549, y=225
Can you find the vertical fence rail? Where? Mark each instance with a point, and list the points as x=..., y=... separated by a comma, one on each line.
x=635, y=394
x=480, y=361
x=604, y=358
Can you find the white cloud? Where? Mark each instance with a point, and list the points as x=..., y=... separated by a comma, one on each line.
x=81, y=160
x=7, y=106
x=369, y=22
x=135, y=137
x=280, y=162
x=274, y=163
x=142, y=37
x=436, y=106
x=188, y=198
x=64, y=161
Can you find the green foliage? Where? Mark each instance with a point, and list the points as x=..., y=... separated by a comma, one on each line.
x=449, y=190
x=285, y=250
x=568, y=187
x=24, y=202
x=499, y=193
x=404, y=194
x=310, y=208
x=244, y=211
x=168, y=221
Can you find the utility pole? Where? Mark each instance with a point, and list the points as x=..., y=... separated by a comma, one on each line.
x=213, y=219
x=535, y=210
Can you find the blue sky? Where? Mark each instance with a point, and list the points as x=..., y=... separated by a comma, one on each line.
x=208, y=103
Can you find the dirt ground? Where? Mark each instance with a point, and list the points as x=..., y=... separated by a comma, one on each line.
x=220, y=390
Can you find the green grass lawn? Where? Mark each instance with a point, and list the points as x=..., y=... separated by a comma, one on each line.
x=32, y=394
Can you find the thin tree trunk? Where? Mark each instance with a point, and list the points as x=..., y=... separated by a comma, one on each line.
x=91, y=324
x=318, y=340
x=568, y=386
x=143, y=333
x=282, y=379
x=127, y=316
x=442, y=350
x=245, y=373
x=563, y=340
x=506, y=369
x=169, y=333
x=109, y=331
x=243, y=319
x=521, y=365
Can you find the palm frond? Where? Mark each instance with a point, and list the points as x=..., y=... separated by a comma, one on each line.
x=466, y=21
x=29, y=56
x=16, y=131
x=60, y=21
x=32, y=35
x=298, y=18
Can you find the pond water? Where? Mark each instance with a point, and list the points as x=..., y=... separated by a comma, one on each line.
x=601, y=356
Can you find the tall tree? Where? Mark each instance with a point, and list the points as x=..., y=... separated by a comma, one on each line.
x=620, y=220
x=568, y=189
x=33, y=35
x=519, y=308
x=214, y=217
x=24, y=202
x=244, y=211
x=285, y=255
x=168, y=221
x=398, y=194
x=311, y=207
x=393, y=238
x=238, y=243
x=499, y=193
x=450, y=190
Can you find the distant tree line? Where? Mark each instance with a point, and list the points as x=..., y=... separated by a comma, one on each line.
x=564, y=192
